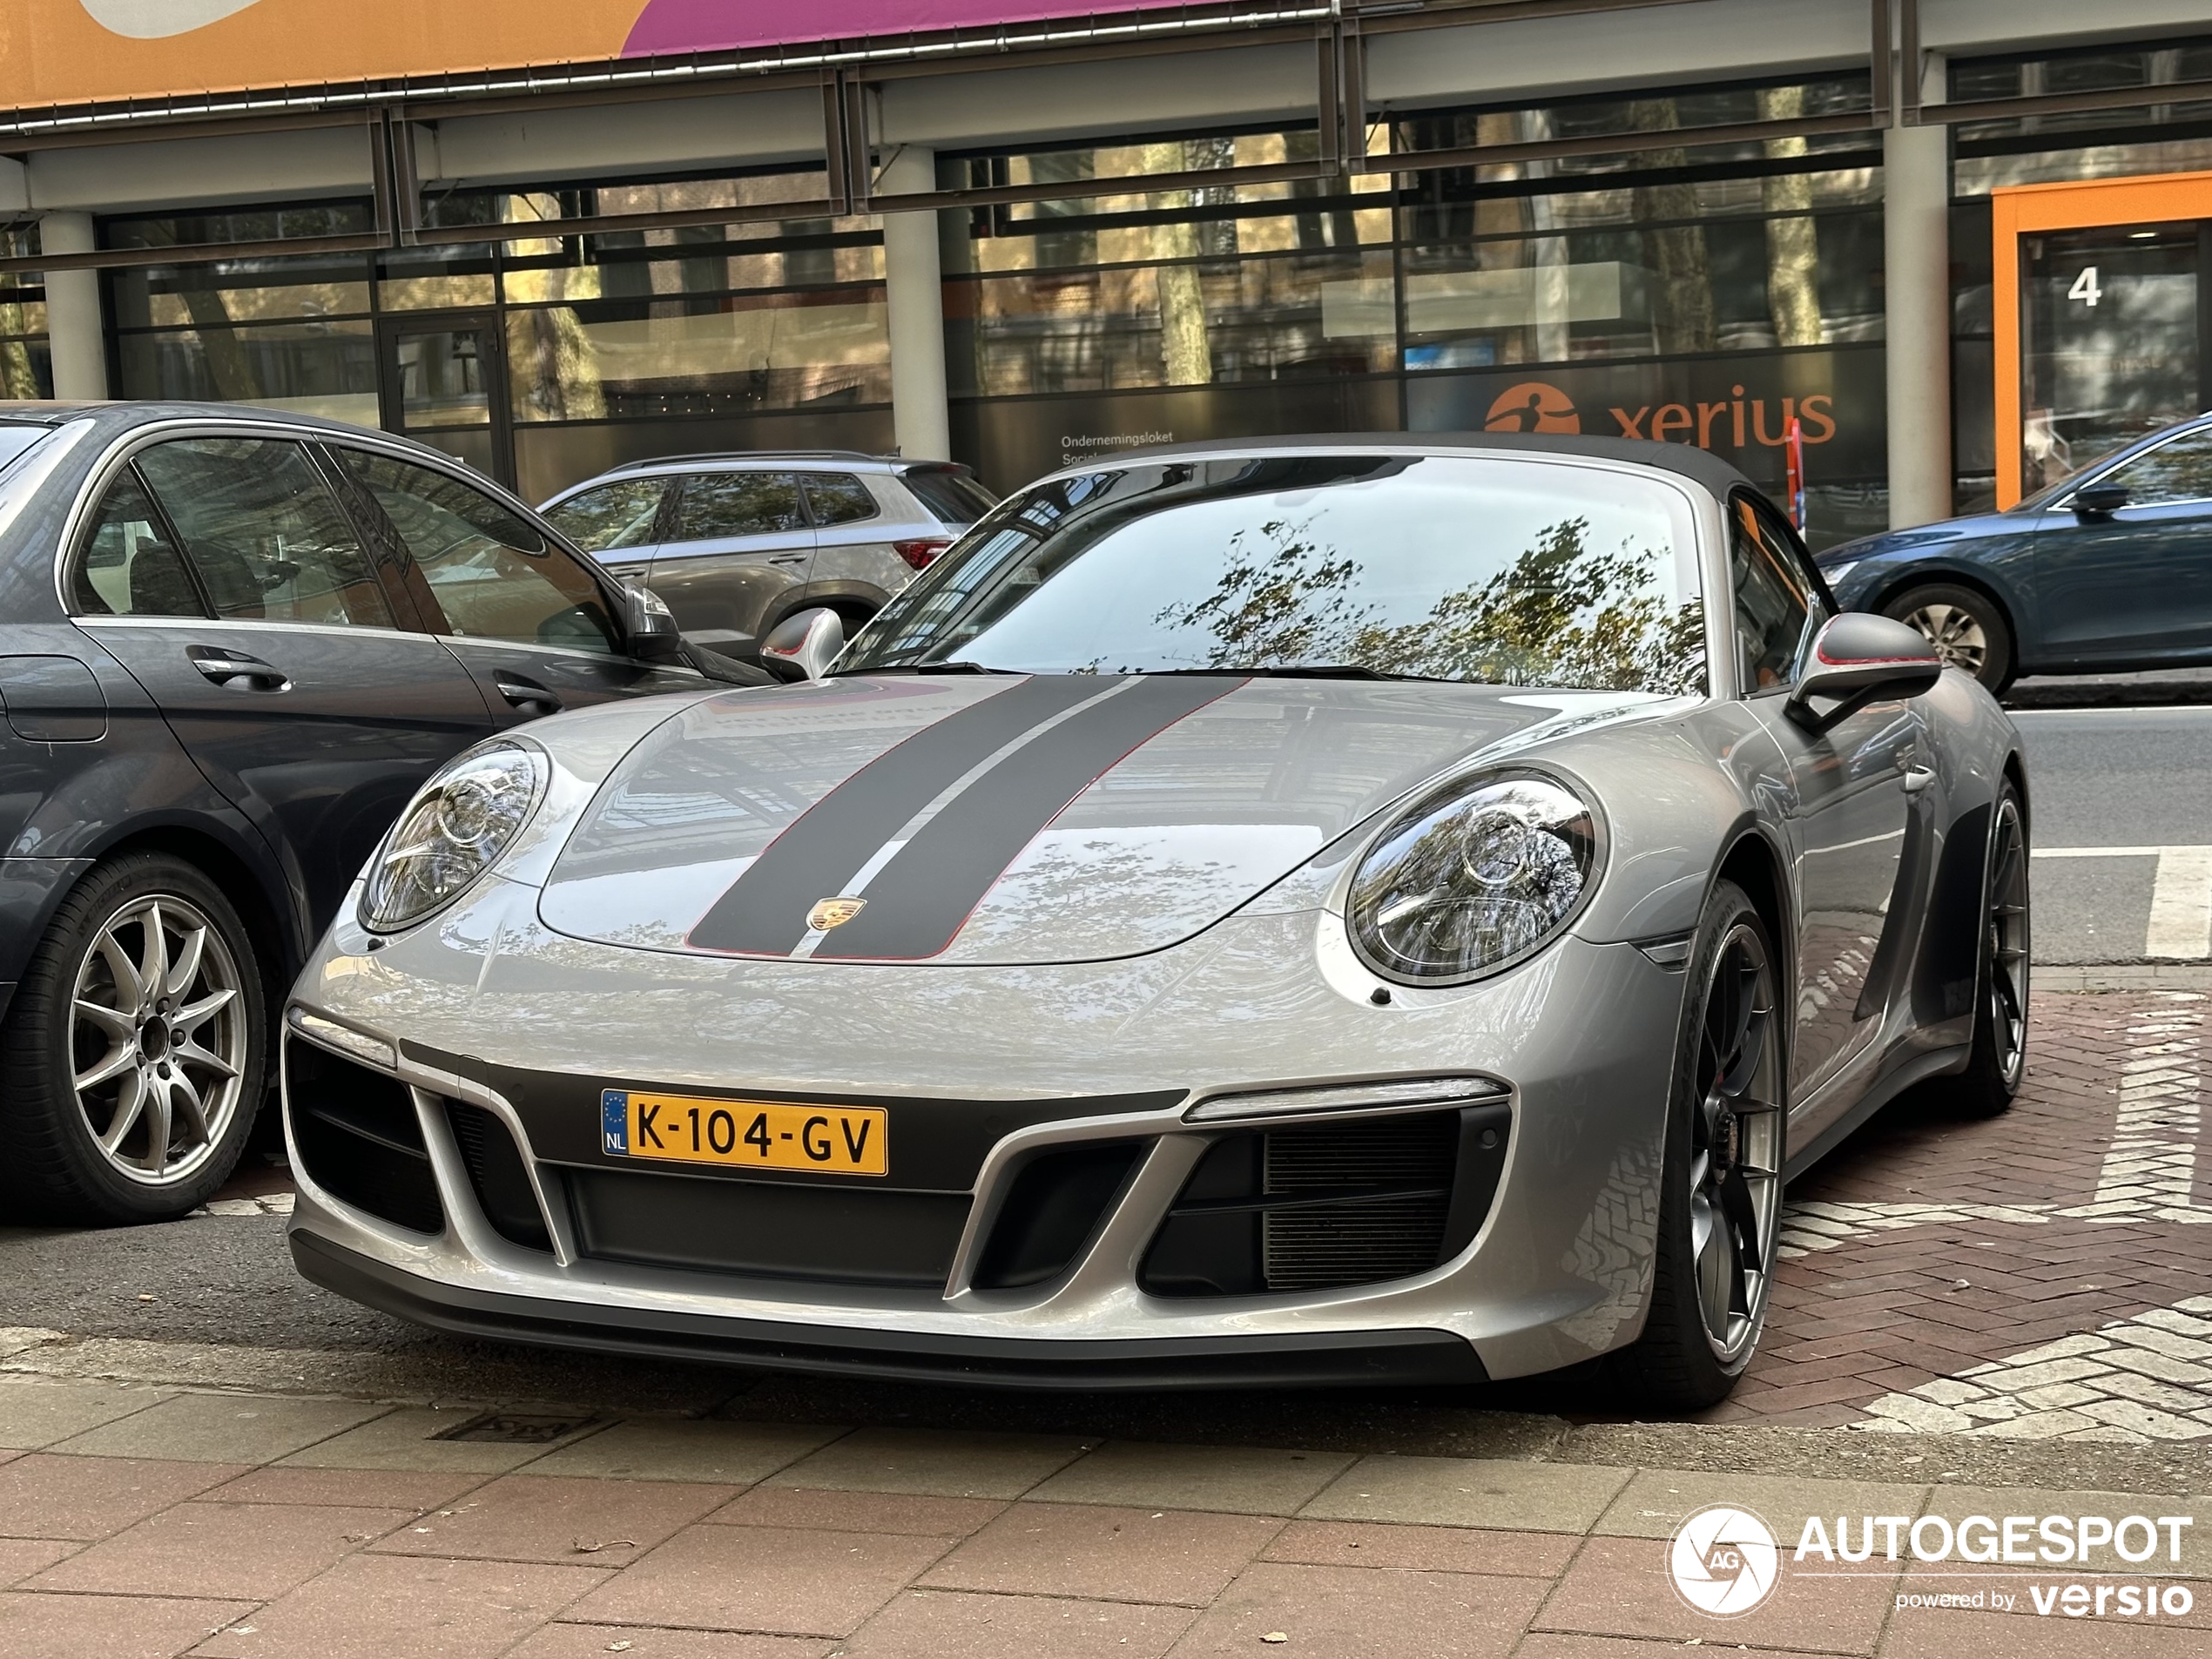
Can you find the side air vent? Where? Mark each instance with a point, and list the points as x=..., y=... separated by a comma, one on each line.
x=495, y=1172
x=1053, y=1208
x=1335, y=1205
x=359, y=1138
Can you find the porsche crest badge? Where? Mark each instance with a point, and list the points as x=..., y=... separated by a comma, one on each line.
x=832, y=913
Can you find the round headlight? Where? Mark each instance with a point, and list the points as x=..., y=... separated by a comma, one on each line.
x=1473, y=879
x=454, y=830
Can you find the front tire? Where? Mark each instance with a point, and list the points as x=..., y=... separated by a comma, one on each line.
x=1720, y=1204
x=1999, y=1062
x=133, y=1056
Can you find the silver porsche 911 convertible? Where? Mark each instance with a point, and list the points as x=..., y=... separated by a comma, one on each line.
x=1314, y=911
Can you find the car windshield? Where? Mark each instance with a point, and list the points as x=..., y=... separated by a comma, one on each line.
x=1505, y=570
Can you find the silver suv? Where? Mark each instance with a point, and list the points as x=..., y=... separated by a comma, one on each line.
x=734, y=543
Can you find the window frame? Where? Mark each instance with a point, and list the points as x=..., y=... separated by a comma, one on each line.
x=1776, y=524
x=670, y=487
x=613, y=594
x=2118, y=464
x=673, y=504
x=123, y=457
x=815, y=521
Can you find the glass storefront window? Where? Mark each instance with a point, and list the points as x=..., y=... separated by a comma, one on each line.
x=580, y=348
x=2082, y=143
x=1704, y=293
x=323, y=368
x=26, y=370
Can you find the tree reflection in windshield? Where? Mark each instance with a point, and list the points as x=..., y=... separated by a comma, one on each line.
x=1483, y=568
x=1563, y=614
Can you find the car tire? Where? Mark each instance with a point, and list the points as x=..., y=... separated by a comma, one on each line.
x=142, y=1015
x=1968, y=628
x=1998, y=1061
x=1721, y=1181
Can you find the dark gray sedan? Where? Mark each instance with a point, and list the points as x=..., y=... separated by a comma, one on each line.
x=232, y=645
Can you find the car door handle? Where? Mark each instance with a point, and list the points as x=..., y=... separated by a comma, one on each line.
x=1917, y=779
x=526, y=693
x=790, y=558
x=224, y=666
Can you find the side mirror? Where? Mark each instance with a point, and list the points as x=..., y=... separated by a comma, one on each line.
x=651, y=626
x=802, y=646
x=1858, y=658
x=2099, y=501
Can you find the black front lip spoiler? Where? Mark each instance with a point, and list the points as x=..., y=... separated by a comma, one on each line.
x=1324, y=1359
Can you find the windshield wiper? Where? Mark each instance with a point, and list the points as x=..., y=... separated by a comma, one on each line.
x=1295, y=672
x=961, y=667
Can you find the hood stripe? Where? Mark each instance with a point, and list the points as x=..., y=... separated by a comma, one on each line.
x=925, y=895
x=764, y=912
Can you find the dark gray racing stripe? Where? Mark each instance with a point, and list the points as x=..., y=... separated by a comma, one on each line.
x=765, y=911
x=925, y=895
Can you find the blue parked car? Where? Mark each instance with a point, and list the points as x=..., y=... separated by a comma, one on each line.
x=2108, y=571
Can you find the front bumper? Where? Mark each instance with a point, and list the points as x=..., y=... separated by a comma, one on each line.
x=1328, y=1359
x=477, y=1007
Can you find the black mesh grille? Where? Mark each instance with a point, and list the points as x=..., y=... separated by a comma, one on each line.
x=503, y=1185
x=359, y=1139
x=1355, y=1240
x=1319, y=1208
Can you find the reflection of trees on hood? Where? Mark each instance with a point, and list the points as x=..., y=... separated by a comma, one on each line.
x=1563, y=614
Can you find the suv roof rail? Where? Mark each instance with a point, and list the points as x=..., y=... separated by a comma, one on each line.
x=751, y=455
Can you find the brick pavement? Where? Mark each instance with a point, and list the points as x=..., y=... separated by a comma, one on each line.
x=1933, y=1245
x=144, y=1523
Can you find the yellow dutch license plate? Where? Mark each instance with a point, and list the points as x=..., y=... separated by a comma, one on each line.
x=746, y=1133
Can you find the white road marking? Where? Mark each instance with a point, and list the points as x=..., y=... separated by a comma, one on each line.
x=2151, y=1162
x=2180, y=896
x=2135, y=1380
x=2180, y=904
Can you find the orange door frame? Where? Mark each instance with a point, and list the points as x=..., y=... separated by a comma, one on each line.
x=2024, y=210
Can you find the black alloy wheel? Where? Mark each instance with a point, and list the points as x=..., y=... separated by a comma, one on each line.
x=1998, y=1061
x=1721, y=1198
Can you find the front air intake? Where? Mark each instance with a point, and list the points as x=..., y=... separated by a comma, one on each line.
x=497, y=1176
x=1324, y=1206
x=358, y=1138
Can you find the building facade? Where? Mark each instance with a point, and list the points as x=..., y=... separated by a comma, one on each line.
x=1960, y=242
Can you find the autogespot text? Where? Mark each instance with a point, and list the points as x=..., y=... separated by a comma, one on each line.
x=2095, y=1544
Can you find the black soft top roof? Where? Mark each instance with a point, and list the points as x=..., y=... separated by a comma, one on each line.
x=1700, y=466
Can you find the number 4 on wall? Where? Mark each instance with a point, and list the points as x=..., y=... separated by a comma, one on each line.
x=2084, y=287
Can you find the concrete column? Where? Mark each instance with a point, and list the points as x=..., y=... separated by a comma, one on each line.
x=1916, y=263
x=74, y=327
x=914, y=281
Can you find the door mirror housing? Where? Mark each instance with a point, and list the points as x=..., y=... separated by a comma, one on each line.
x=2101, y=500
x=1856, y=659
x=802, y=646
x=649, y=626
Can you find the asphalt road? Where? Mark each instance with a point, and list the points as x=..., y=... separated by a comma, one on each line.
x=2113, y=778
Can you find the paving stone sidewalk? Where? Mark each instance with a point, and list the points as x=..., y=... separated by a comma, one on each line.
x=139, y=1522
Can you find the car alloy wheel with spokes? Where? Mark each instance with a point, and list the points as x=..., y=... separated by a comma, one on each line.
x=131, y=1053
x=158, y=1039
x=1720, y=1183
x=1998, y=1060
x=1736, y=1145
x=1956, y=633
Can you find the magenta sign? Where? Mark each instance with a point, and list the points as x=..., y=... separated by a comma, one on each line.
x=673, y=27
